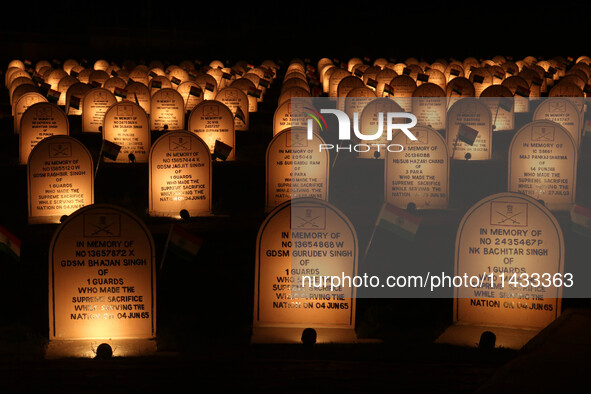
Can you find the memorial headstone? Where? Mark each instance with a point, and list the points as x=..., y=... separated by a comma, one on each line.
x=60, y=177
x=285, y=303
x=543, y=164
x=420, y=174
x=102, y=282
x=296, y=167
x=180, y=175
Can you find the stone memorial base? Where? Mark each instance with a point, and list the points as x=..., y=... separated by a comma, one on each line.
x=469, y=335
x=86, y=348
x=268, y=335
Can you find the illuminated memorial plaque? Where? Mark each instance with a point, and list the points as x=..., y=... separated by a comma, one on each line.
x=60, y=179
x=458, y=88
x=40, y=121
x=502, y=235
x=291, y=114
x=335, y=78
x=95, y=104
x=403, y=87
x=566, y=89
x=429, y=106
x=102, y=278
x=481, y=78
x=384, y=77
x=325, y=77
x=295, y=82
x=159, y=82
x=213, y=121
x=139, y=75
x=290, y=93
x=345, y=86
x=283, y=305
x=475, y=114
x=116, y=86
x=369, y=124
x=101, y=64
x=209, y=85
x=499, y=100
x=520, y=89
x=74, y=98
x=543, y=164
x=357, y=99
x=296, y=168
x=139, y=94
x=247, y=86
x=23, y=103
x=420, y=174
x=564, y=112
x=63, y=86
x=127, y=125
x=55, y=77
x=167, y=110
x=437, y=77
x=180, y=175
x=18, y=82
x=192, y=94
x=237, y=102
x=20, y=91
x=97, y=78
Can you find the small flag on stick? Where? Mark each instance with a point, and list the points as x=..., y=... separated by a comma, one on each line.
x=183, y=243
x=506, y=104
x=467, y=134
x=120, y=93
x=240, y=114
x=195, y=91
x=53, y=95
x=10, y=244
x=110, y=149
x=221, y=150
x=398, y=221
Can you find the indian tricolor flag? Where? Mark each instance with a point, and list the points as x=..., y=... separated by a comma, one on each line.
x=221, y=150
x=10, y=244
x=120, y=92
x=195, y=91
x=388, y=88
x=183, y=243
x=240, y=114
x=156, y=84
x=398, y=221
x=467, y=134
x=209, y=86
x=581, y=220
x=110, y=149
x=53, y=95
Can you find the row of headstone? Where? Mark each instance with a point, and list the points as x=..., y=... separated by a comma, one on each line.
x=127, y=125
x=61, y=172
x=542, y=164
x=115, y=297
x=70, y=91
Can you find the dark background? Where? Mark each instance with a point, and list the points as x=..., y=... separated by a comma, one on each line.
x=174, y=31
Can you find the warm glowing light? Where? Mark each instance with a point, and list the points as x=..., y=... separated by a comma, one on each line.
x=60, y=179
x=180, y=175
x=551, y=176
x=275, y=318
x=95, y=104
x=97, y=298
x=40, y=121
x=420, y=177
